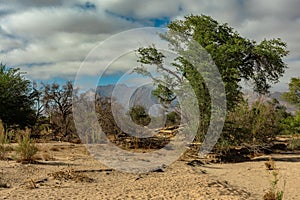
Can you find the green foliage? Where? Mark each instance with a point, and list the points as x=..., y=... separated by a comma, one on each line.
x=139, y=115
x=16, y=101
x=293, y=96
x=173, y=118
x=253, y=124
x=291, y=124
x=237, y=59
x=274, y=193
x=26, y=148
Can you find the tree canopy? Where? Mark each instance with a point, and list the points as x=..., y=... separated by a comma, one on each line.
x=58, y=105
x=237, y=58
x=16, y=107
x=293, y=95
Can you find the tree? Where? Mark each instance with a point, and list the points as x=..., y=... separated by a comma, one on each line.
x=139, y=115
x=293, y=96
x=237, y=59
x=16, y=99
x=58, y=105
x=291, y=124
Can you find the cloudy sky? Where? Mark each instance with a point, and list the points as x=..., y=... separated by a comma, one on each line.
x=49, y=39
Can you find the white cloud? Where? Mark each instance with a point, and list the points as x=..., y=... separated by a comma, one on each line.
x=46, y=21
x=59, y=47
x=62, y=32
x=142, y=9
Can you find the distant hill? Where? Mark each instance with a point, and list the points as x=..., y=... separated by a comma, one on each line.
x=251, y=96
x=129, y=96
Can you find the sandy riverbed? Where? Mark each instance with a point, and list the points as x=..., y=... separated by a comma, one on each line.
x=67, y=171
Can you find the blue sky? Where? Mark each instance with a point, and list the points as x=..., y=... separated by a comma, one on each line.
x=50, y=39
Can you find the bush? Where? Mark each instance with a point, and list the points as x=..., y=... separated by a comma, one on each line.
x=173, y=118
x=3, y=148
x=274, y=193
x=253, y=124
x=139, y=115
x=294, y=144
x=291, y=124
x=26, y=148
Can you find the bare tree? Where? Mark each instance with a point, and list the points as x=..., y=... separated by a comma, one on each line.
x=58, y=105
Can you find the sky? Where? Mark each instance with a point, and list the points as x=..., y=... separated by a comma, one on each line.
x=49, y=39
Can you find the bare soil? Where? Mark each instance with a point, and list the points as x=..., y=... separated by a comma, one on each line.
x=68, y=171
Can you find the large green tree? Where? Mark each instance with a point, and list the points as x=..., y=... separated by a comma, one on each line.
x=16, y=98
x=237, y=58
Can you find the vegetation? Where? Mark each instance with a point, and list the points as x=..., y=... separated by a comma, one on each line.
x=293, y=96
x=2, y=147
x=139, y=115
x=253, y=124
x=48, y=108
x=274, y=192
x=294, y=144
x=291, y=124
x=26, y=149
x=58, y=105
x=237, y=59
x=16, y=99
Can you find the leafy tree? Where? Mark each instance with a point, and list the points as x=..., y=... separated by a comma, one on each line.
x=293, y=96
x=291, y=124
x=16, y=99
x=139, y=115
x=237, y=59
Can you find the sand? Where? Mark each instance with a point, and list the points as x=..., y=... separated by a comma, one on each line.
x=67, y=171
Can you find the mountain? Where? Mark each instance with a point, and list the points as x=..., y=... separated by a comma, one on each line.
x=129, y=96
x=251, y=96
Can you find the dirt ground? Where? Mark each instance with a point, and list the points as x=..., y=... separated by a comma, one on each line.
x=67, y=171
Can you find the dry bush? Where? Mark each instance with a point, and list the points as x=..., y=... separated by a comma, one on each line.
x=253, y=124
x=26, y=149
x=3, y=147
x=70, y=175
x=270, y=165
x=294, y=144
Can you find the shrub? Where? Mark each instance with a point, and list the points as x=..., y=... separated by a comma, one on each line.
x=26, y=148
x=291, y=124
x=253, y=124
x=274, y=192
x=139, y=115
x=173, y=118
x=3, y=148
x=294, y=144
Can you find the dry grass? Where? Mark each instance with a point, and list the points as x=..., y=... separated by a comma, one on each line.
x=270, y=165
x=294, y=144
x=26, y=149
x=70, y=174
